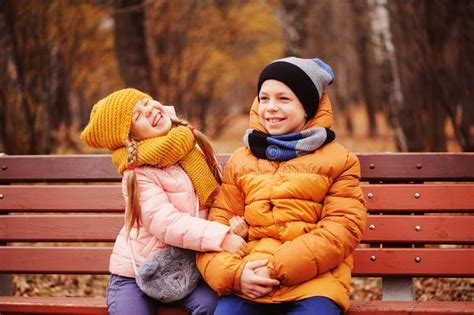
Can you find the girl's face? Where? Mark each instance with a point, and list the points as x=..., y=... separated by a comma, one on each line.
x=149, y=119
x=279, y=110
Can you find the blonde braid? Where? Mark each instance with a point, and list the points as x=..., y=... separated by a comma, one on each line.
x=132, y=213
x=132, y=149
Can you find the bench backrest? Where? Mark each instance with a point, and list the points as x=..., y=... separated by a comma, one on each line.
x=420, y=204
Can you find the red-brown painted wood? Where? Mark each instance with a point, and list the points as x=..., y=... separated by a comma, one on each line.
x=46, y=168
x=420, y=197
x=420, y=229
x=53, y=305
x=61, y=228
x=67, y=260
x=435, y=262
x=410, y=308
x=417, y=166
x=66, y=305
x=73, y=305
x=402, y=167
x=85, y=198
x=395, y=166
x=52, y=198
x=105, y=227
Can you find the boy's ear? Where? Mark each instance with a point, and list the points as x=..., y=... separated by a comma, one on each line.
x=171, y=111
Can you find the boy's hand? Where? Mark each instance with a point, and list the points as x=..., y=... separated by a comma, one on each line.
x=252, y=284
x=262, y=272
x=234, y=244
x=239, y=226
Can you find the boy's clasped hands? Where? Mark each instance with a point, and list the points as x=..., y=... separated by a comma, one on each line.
x=255, y=280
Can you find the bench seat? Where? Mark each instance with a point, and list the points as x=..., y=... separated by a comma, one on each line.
x=73, y=305
x=61, y=214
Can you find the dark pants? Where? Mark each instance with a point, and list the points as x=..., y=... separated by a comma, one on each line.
x=124, y=297
x=232, y=304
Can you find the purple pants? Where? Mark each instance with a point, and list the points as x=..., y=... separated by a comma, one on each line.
x=125, y=297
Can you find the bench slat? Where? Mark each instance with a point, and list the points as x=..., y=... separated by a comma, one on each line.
x=410, y=307
x=88, y=198
x=53, y=305
x=397, y=262
x=51, y=198
x=87, y=305
x=105, y=227
x=419, y=197
x=61, y=228
x=417, y=166
x=51, y=168
x=432, y=229
x=394, y=166
x=389, y=261
x=61, y=260
x=66, y=305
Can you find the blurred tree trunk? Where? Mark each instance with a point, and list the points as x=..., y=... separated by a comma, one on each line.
x=438, y=20
x=461, y=115
x=396, y=112
x=131, y=46
x=37, y=79
x=294, y=17
x=428, y=65
x=18, y=57
x=4, y=140
x=365, y=55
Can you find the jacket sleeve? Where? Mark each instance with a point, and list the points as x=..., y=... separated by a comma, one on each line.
x=335, y=237
x=168, y=224
x=222, y=270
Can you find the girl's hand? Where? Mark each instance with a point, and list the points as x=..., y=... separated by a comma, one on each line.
x=239, y=226
x=233, y=243
x=254, y=285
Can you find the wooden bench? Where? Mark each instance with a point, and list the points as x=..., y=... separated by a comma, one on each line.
x=417, y=202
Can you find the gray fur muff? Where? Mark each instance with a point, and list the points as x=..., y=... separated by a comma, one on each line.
x=169, y=275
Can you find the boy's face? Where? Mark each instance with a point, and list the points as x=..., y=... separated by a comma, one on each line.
x=149, y=119
x=279, y=110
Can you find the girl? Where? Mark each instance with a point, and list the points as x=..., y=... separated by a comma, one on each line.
x=165, y=180
x=300, y=196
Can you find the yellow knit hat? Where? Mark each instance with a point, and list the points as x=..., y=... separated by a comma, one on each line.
x=111, y=118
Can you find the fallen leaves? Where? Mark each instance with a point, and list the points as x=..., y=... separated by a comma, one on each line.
x=362, y=289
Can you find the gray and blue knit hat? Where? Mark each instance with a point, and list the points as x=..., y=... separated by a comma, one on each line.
x=307, y=78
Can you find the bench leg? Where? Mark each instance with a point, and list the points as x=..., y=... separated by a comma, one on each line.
x=6, y=284
x=397, y=289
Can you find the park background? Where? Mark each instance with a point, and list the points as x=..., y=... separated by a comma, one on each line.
x=403, y=79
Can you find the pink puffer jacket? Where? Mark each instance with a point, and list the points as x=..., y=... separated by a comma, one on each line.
x=169, y=207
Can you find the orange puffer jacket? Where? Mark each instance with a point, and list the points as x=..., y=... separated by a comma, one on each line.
x=305, y=215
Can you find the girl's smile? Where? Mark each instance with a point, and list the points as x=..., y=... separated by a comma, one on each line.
x=157, y=119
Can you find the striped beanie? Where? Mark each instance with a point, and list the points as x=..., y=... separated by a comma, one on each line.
x=307, y=78
x=111, y=119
